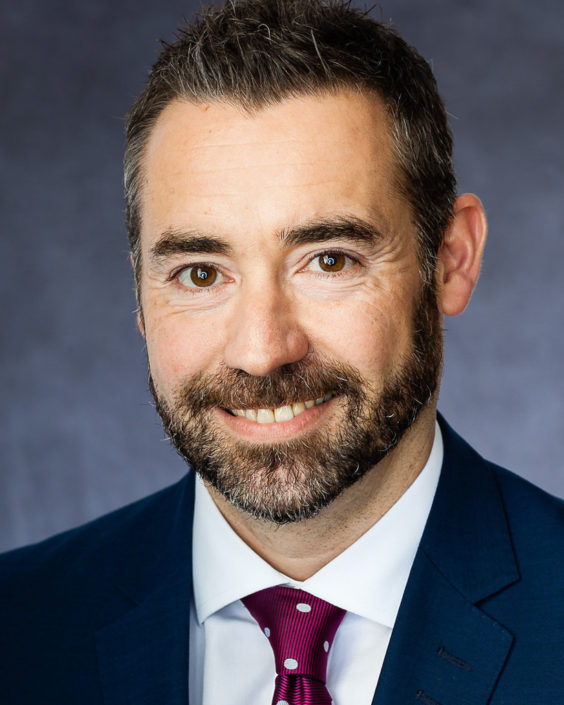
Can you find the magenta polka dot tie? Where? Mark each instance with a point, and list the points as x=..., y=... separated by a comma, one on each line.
x=300, y=629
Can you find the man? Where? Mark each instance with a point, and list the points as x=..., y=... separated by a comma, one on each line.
x=296, y=241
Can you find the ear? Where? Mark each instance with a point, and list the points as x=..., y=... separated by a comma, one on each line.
x=460, y=254
x=140, y=322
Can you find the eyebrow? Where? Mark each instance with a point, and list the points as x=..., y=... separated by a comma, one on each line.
x=340, y=228
x=178, y=242
x=174, y=242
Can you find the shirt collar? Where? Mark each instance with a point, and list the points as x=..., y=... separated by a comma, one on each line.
x=368, y=578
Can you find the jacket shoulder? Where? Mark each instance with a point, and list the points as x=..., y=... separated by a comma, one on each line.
x=97, y=548
x=530, y=512
x=535, y=517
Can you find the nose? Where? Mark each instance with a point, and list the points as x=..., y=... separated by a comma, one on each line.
x=264, y=333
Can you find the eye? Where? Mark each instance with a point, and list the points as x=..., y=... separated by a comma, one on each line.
x=330, y=262
x=199, y=276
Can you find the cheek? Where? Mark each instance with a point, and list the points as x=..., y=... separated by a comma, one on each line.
x=371, y=335
x=178, y=348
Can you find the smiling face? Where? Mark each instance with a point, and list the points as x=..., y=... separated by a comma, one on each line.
x=290, y=340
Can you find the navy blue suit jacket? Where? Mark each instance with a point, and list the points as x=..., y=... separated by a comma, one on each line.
x=100, y=614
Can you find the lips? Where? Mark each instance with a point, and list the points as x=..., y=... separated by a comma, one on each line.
x=281, y=413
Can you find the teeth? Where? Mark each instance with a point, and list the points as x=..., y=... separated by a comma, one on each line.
x=282, y=413
x=265, y=416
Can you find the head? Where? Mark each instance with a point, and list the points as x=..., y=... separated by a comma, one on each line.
x=291, y=214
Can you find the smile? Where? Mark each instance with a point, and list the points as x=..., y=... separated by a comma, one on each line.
x=282, y=413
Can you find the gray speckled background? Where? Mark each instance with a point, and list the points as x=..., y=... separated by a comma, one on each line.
x=78, y=434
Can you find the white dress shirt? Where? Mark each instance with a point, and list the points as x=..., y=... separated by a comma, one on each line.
x=231, y=661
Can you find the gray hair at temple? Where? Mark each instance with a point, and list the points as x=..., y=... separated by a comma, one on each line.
x=256, y=53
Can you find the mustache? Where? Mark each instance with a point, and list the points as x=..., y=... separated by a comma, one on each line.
x=236, y=389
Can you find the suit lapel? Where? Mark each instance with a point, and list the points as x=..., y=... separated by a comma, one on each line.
x=143, y=645
x=143, y=656
x=444, y=649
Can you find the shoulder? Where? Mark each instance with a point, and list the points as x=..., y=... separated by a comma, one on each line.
x=91, y=555
x=494, y=521
x=536, y=524
x=531, y=608
x=527, y=502
x=57, y=594
x=531, y=512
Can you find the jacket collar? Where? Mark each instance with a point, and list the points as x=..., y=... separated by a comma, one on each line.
x=444, y=648
x=143, y=643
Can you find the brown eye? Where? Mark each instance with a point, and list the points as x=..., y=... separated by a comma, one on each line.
x=203, y=276
x=332, y=262
x=200, y=276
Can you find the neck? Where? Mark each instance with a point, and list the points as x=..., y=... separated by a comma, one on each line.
x=300, y=549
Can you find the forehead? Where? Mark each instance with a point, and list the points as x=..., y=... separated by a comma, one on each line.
x=215, y=167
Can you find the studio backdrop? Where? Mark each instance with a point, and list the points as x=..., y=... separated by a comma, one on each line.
x=79, y=435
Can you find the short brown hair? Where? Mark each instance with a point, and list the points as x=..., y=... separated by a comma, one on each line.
x=255, y=53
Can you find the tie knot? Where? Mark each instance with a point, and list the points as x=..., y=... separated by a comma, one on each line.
x=299, y=627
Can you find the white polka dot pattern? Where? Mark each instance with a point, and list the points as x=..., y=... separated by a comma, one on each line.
x=300, y=629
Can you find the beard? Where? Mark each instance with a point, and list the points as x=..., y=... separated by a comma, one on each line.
x=292, y=480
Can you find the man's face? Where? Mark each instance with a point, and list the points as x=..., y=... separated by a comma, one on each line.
x=290, y=340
